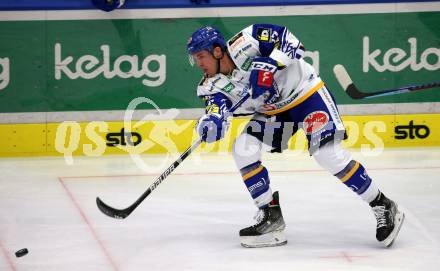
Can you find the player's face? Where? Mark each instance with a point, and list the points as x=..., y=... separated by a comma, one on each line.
x=206, y=62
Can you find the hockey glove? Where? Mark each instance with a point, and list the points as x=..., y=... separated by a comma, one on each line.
x=212, y=127
x=262, y=78
x=108, y=5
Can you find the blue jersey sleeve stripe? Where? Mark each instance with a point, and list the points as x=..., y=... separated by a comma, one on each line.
x=295, y=51
x=284, y=36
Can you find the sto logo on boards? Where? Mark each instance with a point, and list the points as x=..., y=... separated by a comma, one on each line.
x=123, y=138
x=411, y=130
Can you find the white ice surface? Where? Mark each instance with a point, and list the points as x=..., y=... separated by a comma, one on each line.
x=191, y=221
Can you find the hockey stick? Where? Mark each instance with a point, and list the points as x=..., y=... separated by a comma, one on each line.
x=123, y=213
x=352, y=91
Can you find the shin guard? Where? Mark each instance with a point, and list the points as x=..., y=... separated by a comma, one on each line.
x=256, y=179
x=355, y=177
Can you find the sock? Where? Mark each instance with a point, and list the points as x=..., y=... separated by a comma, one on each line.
x=256, y=179
x=355, y=177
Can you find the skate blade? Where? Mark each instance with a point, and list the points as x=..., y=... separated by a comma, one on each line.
x=400, y=217
x=271, y=239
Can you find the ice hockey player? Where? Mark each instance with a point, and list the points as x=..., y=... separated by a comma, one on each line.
x=287, y=95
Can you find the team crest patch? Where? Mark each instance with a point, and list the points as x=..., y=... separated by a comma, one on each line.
x=264, y=34
x=315, y=122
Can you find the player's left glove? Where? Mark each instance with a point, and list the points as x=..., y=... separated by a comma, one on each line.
x=212, y=127
x=108, y=5
x=262, y=78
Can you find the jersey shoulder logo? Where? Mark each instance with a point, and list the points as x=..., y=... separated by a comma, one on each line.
x=228, y=88
x=264, y=34
x=236, y=41
x=235, y=38
x=246, y=64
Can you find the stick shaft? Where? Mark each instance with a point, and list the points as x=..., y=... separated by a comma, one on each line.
x=123, y=213
x=354, y=92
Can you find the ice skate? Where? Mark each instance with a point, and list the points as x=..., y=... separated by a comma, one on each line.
x=389, y=219
x=269, y=230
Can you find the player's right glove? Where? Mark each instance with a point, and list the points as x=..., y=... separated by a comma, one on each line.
x=212, y=127
x=262, y=78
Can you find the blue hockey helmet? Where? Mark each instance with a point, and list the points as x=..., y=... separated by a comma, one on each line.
x=205, y=38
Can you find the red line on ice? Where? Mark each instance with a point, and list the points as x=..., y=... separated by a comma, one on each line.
x=92, y=230
x=236, y=172
x=344, y=255
x=8, y=259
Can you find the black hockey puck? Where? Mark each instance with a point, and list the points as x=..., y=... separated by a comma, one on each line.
x=21, y=252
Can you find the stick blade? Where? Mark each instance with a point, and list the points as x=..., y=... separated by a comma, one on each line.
x=346, y=83
x=354, y=92
x=342, y=76
x=110, y=211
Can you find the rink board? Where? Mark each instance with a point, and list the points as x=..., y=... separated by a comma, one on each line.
x=171, y=136
x=132, y=54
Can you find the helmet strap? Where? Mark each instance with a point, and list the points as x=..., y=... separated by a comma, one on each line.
x=218, y=60
x=218, y=65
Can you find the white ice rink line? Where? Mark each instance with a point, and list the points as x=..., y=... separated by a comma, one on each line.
x=191, y=221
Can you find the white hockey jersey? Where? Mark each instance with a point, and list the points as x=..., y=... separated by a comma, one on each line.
x=294, y=81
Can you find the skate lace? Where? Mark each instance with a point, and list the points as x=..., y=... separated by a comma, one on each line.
x=379, y=213
x=259, y=216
